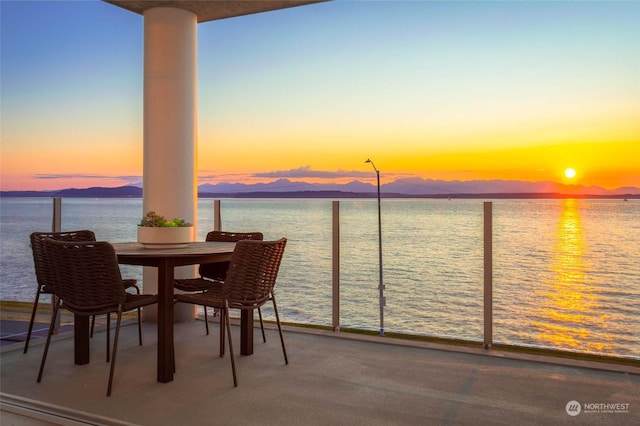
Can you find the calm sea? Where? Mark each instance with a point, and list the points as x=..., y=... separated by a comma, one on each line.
x=566, y=272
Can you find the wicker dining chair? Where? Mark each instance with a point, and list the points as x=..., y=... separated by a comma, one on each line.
x=213, y=274
x=249, y=284
x=87, y=282
x=44, y=276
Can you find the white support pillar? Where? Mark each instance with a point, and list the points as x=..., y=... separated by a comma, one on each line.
x=170, y=127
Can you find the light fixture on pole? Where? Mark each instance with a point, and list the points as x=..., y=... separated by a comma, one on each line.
x=382, y=300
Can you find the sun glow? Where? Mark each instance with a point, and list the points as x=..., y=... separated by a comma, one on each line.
x=570, y=173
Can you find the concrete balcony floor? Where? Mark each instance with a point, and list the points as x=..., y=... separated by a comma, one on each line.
x=331, y=379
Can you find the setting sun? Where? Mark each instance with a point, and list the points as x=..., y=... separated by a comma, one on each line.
x=570, y=173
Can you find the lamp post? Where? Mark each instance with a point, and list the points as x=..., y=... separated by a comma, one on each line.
x=381, y=284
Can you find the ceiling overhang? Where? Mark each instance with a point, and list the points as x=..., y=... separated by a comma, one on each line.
x=209, y=10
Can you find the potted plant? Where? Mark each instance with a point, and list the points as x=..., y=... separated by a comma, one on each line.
x=154, y=231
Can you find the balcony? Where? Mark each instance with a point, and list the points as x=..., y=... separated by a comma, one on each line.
x=332, y=378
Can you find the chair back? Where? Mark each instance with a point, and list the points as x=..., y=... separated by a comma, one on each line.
x=87, y=276
x=218, y=271
x=41, y=263
x=252, y=272
x=232, y=237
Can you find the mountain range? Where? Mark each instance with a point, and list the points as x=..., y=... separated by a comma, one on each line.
x=412, y=187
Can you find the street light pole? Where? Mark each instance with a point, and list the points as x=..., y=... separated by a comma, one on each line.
x=382, y=299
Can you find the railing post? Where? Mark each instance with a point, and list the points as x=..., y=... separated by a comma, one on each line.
x=488, y=274
x=217, y=217
x=56, y=226
x=335, y=300
x=56, y=218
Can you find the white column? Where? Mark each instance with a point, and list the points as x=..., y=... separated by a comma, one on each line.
x=170, y=126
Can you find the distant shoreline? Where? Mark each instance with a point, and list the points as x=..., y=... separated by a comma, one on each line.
x=135, y=192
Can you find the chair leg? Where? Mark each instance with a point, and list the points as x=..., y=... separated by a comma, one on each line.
x=206, y=320
x=33, y=318
x=275, y=309
x=46, y=346
x=108, y=334
x=222, y=325
x=93, y=325
x=264, y=339
x=140, y=326
x=115, y=349
x=139, y=319
x=233, y=363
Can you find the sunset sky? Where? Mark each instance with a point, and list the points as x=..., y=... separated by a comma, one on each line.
x=442, y=90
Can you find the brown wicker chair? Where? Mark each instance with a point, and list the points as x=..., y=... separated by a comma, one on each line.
x=87, y=282
x=213, y=274
x=44, y=276
x=249, y=284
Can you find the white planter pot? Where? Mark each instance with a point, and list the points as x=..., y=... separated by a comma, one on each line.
x=164, y=237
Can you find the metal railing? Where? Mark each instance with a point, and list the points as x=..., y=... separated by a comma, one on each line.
x=336, y=296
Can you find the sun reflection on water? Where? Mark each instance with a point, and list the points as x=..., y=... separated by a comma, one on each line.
x=570, y=306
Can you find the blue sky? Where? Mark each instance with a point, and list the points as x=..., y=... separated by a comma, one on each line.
x=451, y=90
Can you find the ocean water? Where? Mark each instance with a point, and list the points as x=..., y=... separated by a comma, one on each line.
x=566, y=273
